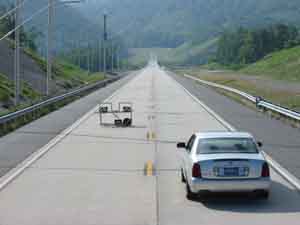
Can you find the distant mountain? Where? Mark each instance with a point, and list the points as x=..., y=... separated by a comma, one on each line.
x=172, y=23
x=157, y=23
x=71, y=27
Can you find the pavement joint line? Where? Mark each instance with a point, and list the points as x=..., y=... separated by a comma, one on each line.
x=22, y=166
x=284, y=173
x=98, y=170
x=125, y=139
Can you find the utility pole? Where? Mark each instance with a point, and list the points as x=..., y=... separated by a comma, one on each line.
x=78, y=53
x=118, y=58
x=88, y=56
x=17, y=54
x=112, y=57
x=104, y=42
x=99, y=54
x=49, y=45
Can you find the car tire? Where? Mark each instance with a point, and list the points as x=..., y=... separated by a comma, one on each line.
x=189, y=194
x=264, y=194
x=183, y=180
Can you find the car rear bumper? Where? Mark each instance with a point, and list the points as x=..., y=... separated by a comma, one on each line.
x=240, y=185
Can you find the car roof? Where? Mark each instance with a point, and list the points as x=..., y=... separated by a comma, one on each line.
x=223, y=134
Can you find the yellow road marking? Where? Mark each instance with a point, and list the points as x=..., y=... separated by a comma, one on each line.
x=153, y=135
x=148, y=135
x=149, y=168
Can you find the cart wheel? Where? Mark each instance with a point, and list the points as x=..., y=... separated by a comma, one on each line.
x=127, y=122
x=118, y=123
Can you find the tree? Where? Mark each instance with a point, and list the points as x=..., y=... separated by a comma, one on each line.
x=247, y=50
x=244, y=46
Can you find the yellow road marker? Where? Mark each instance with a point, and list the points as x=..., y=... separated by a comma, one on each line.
x=153, y=136
x=149, y=168
x=148, y=135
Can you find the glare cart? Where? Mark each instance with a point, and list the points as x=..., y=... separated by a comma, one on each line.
x=121, y=117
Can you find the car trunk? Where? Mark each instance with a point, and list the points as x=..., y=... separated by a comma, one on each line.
x=231, y=166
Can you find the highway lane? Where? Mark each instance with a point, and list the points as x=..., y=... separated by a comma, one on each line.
x=19, y=144
x=281, y=141
x=96, y=174
x=176, y=209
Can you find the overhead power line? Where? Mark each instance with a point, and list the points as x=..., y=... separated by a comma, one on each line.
x=24, y=22
x=10, y=12
x=114, y=36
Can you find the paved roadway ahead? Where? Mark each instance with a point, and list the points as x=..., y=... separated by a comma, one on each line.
x=95, y=175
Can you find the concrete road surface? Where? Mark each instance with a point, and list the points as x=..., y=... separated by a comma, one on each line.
x=281, y=141
x=130, y=176
x=23, y=142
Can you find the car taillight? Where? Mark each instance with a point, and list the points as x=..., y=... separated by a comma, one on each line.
x=265, y=170
x=196, y=170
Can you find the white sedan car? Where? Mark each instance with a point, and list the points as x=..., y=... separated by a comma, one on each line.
x=224, y=162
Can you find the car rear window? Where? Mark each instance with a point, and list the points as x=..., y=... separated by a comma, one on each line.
x=226, y=145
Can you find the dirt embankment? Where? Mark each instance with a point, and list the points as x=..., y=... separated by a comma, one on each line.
x=31, y=72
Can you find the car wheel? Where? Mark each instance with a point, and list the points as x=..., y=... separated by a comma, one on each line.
x=189, y=194
x=263, y=194
x=183, y=180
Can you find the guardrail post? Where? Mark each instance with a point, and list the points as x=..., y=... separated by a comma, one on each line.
x=23, y=118
x=3, y=128
x=297, y=123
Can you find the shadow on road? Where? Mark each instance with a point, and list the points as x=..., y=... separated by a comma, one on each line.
x=282, y=200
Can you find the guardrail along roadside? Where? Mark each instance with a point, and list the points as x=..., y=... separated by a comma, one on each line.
x=19, y=118
x=259, y=102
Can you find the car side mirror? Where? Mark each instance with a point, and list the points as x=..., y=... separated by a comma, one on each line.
x=181, y=145
x=260, y=144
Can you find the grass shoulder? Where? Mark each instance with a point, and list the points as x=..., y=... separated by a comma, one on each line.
x=281, y=65
x=27, y=95
x=288, y=97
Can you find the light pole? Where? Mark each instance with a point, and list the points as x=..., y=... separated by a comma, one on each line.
x=104, y=42
x=79, y=52
x=112, y=57
x=17, y=54
x=49, y=45
x=88, y=58
x=99, y=54
x=88, y=55
x=118, y=58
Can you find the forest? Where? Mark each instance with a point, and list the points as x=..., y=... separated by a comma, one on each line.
x=245, y=46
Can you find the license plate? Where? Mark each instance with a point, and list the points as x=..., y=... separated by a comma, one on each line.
x=231, y=172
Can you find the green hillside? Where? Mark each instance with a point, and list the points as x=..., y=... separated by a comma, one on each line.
x=28, y=95
x=282, y=65
x=170, y=23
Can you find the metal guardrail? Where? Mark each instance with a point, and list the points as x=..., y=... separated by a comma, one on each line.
x=22, y=112
x=260, y=102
